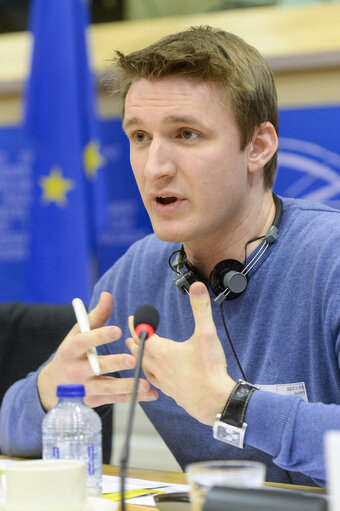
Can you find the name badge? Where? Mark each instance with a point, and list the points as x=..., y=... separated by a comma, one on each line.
x=294, y=389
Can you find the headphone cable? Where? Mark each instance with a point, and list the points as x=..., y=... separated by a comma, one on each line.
x=241, y=370
x=231, y=344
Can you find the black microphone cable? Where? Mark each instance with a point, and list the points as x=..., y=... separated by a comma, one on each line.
x=146, y=320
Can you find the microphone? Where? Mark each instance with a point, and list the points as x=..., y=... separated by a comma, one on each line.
x=146, y=321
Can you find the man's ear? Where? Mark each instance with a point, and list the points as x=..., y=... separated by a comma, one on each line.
x=263, y=146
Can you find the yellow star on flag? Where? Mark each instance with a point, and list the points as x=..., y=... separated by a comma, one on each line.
x=92, y=158
x=55, y=187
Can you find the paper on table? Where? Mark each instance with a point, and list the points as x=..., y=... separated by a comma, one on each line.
x=111, y=485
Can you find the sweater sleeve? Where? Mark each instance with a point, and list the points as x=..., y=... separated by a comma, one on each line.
x=292, y=431
x=21, y=417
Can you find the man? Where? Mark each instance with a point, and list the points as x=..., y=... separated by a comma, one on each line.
x=201, y=116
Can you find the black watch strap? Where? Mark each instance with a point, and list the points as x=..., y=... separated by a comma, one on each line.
x=229, y=426
x=235, y=408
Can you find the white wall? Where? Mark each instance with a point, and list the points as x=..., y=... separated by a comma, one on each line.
x=147, y=449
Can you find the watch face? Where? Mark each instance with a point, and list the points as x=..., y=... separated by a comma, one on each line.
x=229, y=434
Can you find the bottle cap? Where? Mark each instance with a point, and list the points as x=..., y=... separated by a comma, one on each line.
x=70, y=391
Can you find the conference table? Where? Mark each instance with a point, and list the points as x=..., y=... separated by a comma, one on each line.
x=178, y=478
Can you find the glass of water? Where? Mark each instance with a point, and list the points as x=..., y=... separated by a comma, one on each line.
x=202, y=476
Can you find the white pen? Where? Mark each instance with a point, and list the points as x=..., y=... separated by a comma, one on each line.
x=84, y=326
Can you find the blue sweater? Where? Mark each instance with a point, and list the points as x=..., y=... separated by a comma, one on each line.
x=286, y=331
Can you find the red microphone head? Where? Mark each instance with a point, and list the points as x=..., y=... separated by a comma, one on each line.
x=146, y=319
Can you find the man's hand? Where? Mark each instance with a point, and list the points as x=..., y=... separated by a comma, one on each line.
x=70, y=364
x=194, y=372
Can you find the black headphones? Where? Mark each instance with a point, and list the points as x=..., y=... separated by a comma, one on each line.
x=228, y=279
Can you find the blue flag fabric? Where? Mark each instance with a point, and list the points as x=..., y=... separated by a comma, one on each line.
x=68, y=209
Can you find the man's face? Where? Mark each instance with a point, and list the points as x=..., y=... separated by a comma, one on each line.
x=186, y=158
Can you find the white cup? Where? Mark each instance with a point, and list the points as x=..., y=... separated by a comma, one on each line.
x=45, y=485
x=332, y=459
x=202, y=476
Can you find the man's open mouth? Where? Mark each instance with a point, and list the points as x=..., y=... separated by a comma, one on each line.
x=166, y=200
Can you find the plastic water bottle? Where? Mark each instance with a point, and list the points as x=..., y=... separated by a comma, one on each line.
x=73, y=430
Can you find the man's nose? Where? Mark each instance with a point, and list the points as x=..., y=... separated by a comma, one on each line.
x=160, y=162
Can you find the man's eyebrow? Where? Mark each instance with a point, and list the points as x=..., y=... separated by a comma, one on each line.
x=130, y=122
x=169, y=119
x=180, y=119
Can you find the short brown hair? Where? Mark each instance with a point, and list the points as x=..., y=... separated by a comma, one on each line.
x=211, y=54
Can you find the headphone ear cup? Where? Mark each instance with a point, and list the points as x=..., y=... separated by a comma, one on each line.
x=228, y=275
x=184, y=279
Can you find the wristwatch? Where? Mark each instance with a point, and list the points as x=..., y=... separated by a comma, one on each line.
x=229, y=426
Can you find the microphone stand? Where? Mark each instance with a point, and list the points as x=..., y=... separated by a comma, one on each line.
x=126, y=448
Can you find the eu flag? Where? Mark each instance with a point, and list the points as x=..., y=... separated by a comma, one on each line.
x=60, y=120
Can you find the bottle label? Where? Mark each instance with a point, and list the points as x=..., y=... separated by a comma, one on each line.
x=55, y=452
x=91, y=464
